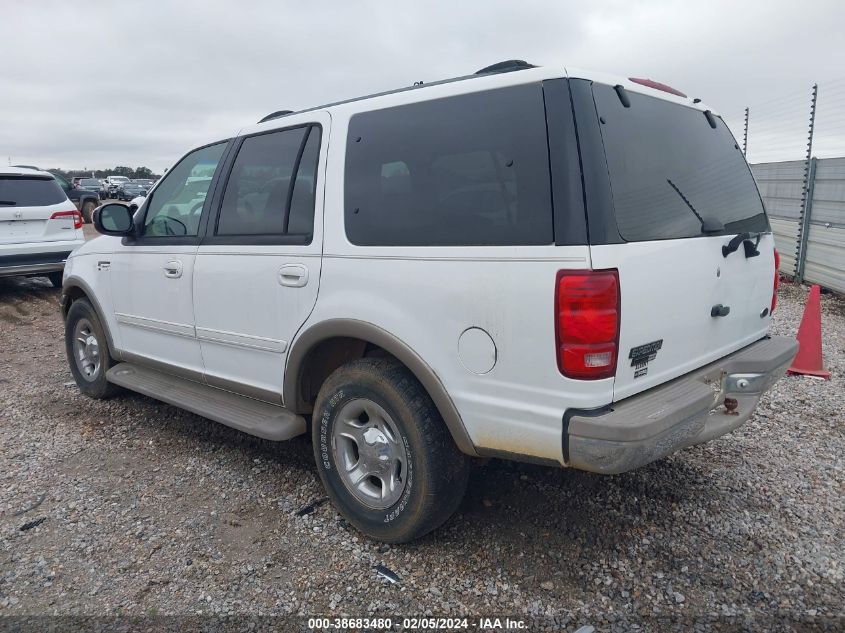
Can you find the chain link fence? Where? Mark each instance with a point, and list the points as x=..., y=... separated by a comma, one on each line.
x=796, y=146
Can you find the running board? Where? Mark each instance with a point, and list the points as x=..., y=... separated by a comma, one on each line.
x=272, y=422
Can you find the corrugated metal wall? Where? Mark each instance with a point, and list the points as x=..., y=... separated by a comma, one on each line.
x=825, y=258
x=781, y=185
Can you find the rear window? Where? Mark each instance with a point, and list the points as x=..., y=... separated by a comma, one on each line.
x=669, y=169
x=30, y=192
x=466, y=170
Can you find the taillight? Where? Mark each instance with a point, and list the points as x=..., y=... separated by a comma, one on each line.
x=587, y=323
x=77, y=217
x=777, y=281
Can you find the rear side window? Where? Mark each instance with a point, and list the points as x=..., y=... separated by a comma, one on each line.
x=271, y=188
x=29, y=192
x=300, y=218
x=465, y=170
x=669, y=170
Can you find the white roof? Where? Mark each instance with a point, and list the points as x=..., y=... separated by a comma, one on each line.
x=17, y=171
x=470, y=83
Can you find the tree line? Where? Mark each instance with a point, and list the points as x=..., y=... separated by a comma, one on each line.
x=120, y=170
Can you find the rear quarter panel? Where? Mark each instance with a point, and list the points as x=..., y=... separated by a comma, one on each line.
x=428, y=296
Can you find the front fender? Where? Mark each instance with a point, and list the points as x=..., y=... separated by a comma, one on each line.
x=75, y=287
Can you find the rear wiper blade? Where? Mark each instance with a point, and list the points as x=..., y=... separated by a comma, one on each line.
x=8, y=203
x=708, y=224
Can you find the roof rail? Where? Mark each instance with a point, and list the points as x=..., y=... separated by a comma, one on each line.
x=276, y=115
x=505, y=67
x=502, y=67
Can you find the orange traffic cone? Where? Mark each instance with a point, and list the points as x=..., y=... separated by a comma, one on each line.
x=809, y=359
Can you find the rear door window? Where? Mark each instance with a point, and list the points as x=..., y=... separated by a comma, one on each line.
x=24, y=191
x=271, y=187
x=300, y=217
x=466, y=170
x=669, y=170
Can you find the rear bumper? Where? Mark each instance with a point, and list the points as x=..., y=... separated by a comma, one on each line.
x=686, y=411
x=32, y=263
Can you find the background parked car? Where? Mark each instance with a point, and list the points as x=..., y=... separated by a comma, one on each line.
x=112, y=184
x=146, y=183
x=135, y=203
x=89, y=184
x=84, y=200
x=129, y=190
x=39, y=227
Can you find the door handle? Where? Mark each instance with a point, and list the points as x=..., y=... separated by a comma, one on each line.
x=173, y=269
x=293, y=275
x=719, y=310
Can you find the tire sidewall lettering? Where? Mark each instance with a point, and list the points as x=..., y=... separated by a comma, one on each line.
x=400, y=505
x=326, y=420
x=324, y=429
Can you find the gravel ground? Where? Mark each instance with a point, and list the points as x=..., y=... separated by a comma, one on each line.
x=132, y=507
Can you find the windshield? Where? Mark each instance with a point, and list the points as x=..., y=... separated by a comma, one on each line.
x=88, y=182
x=672, y=173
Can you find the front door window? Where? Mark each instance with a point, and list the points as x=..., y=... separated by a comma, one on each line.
x=176, y=205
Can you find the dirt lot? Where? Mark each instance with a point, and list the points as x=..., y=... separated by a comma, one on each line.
x=132, y=507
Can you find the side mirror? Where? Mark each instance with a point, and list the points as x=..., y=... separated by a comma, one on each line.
x=113, y=219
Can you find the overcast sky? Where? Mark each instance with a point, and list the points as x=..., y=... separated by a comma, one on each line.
x=95, y=84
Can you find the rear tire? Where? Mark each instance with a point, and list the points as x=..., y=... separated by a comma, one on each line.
x=383, y=452
x=88, y=211
x=88, y=352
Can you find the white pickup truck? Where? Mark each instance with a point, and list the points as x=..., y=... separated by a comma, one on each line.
x=112, y=184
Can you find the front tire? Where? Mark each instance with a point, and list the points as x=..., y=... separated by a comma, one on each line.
x=88, y=352
x=383, y=452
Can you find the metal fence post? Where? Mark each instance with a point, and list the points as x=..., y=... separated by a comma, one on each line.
x=806, y=195
x=805, y=221
x=745, y=135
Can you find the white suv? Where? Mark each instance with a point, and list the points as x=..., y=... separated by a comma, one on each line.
x=528, y=263
x=39, y=226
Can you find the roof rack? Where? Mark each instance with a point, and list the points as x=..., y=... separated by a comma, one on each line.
x=276, y=115
x=505, y=67
x=500, y=67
